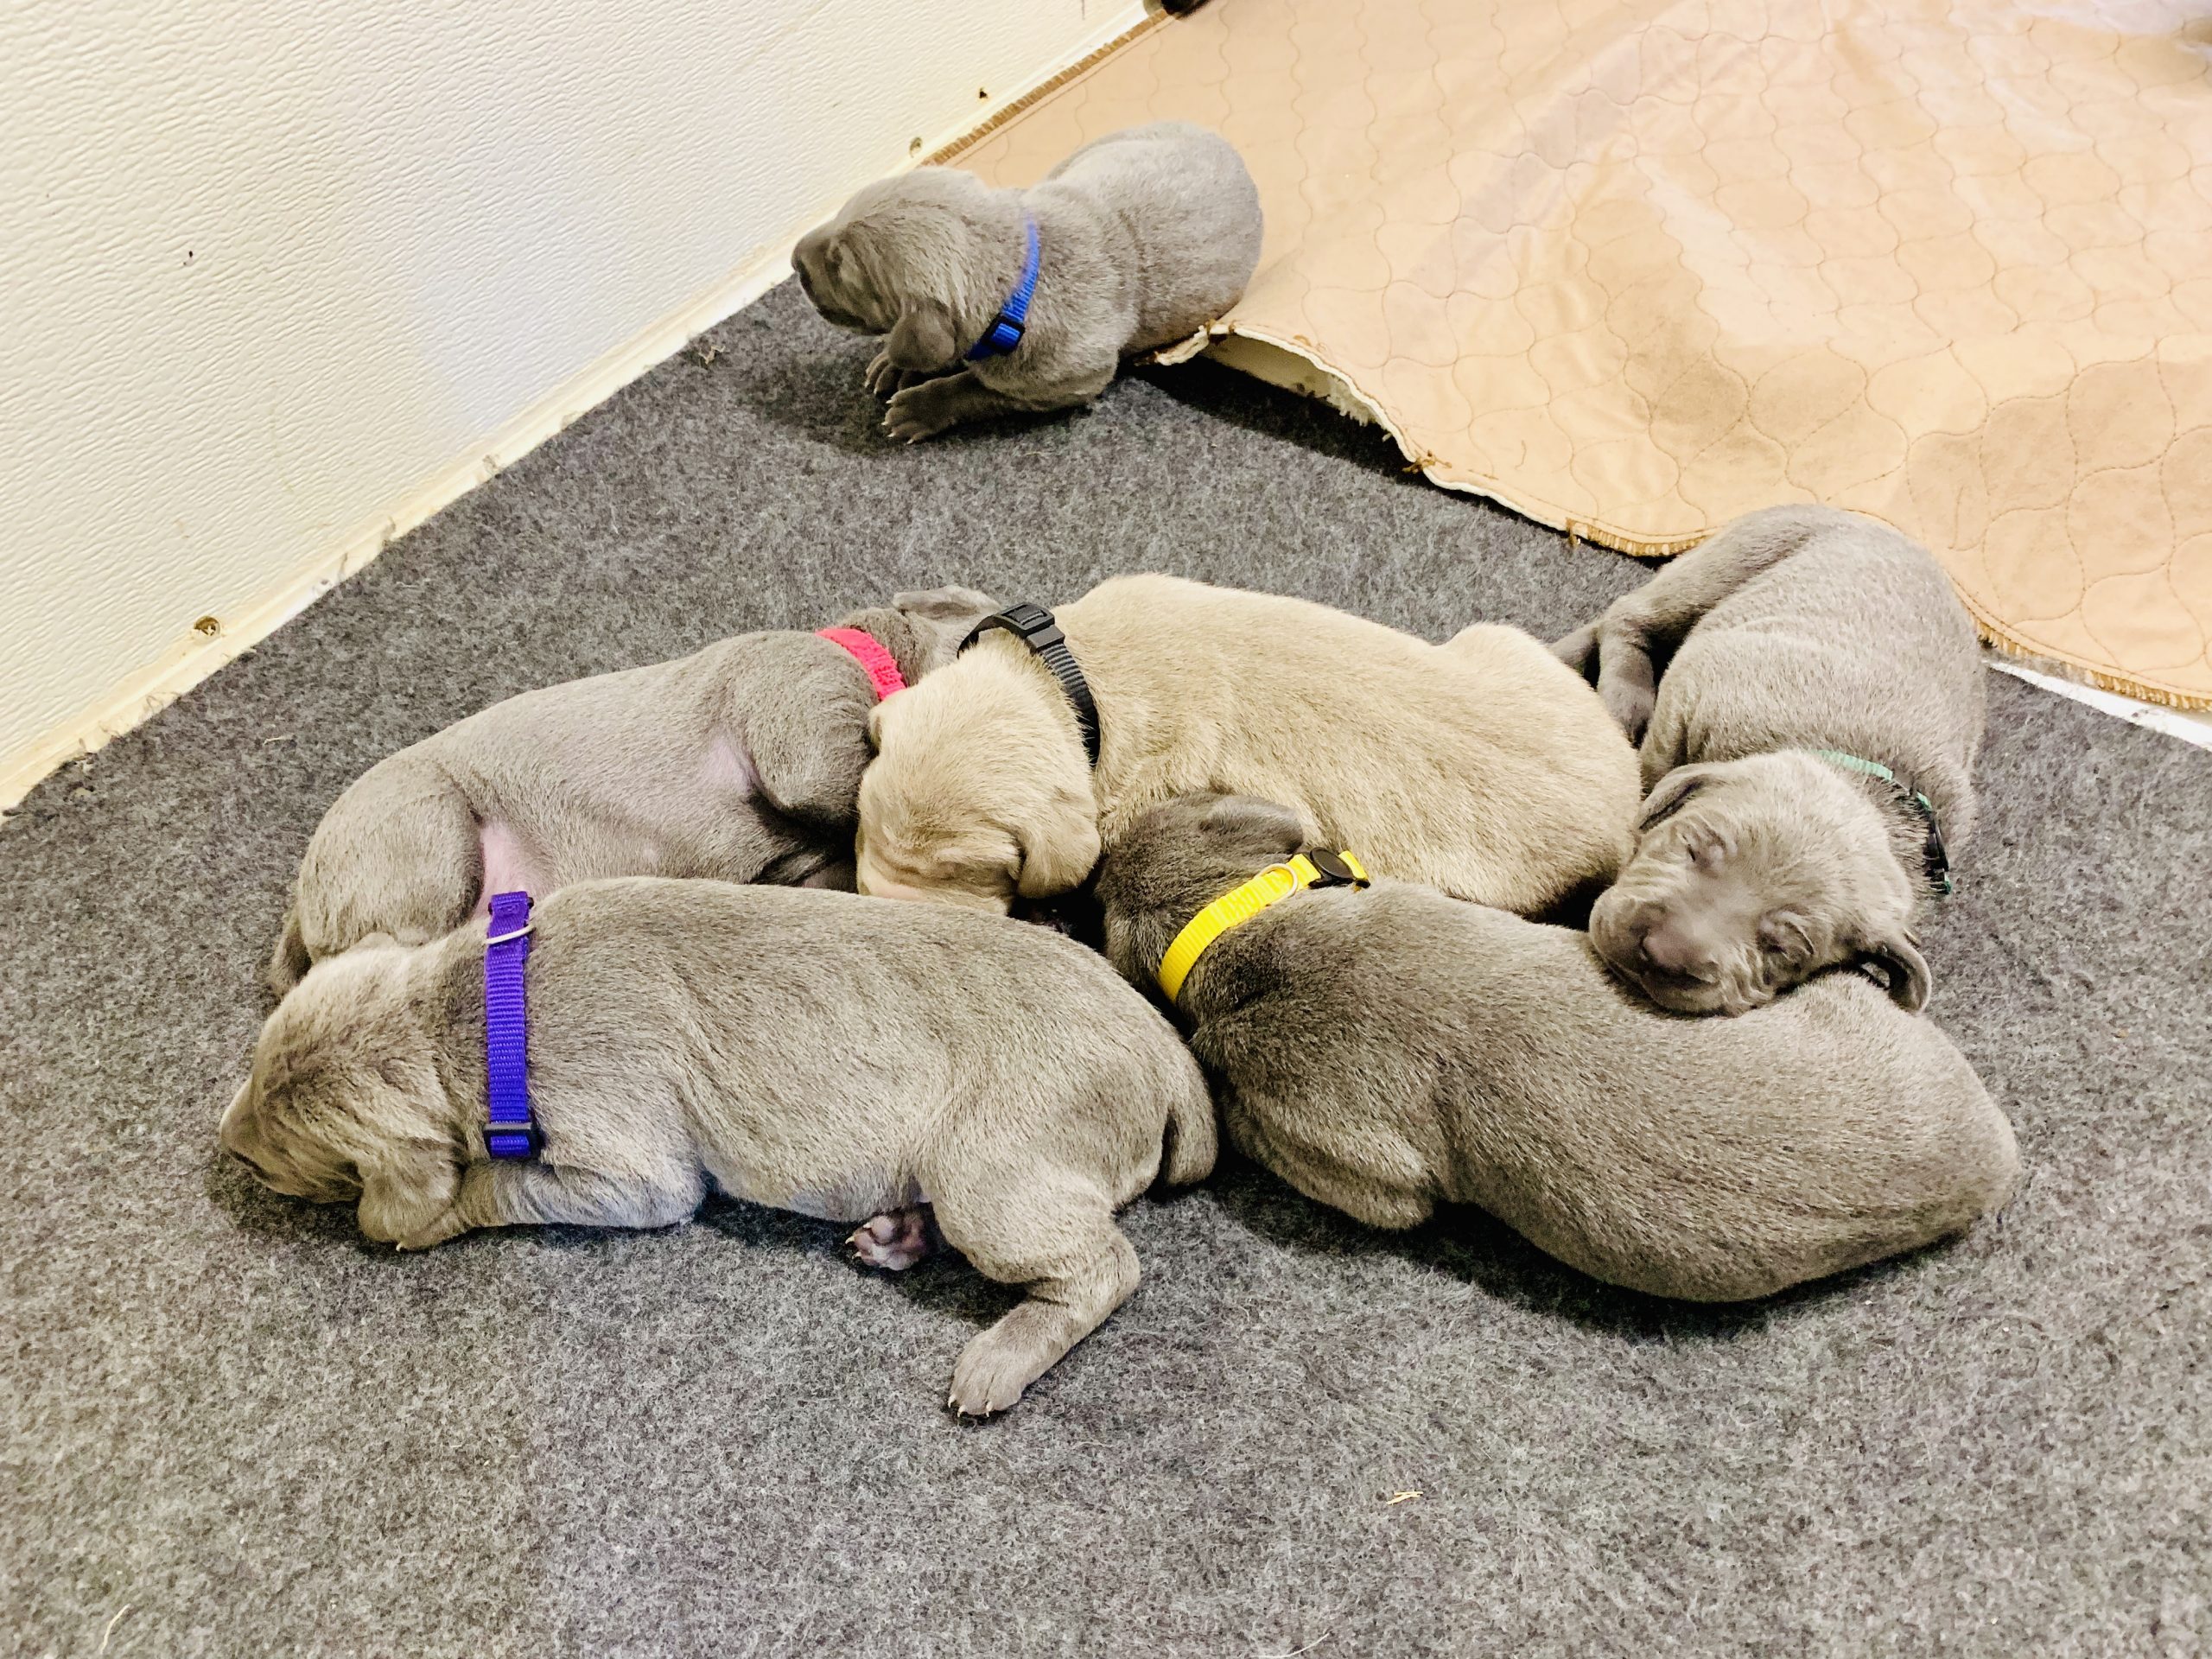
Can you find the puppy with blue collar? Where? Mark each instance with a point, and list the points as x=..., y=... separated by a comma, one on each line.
x=995, y=302
x=1386, y=1049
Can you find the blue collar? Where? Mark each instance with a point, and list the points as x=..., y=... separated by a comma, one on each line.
x=1005, y=332
x=509, y=1130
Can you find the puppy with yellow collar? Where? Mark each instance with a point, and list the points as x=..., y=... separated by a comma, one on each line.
x=1386, y=1049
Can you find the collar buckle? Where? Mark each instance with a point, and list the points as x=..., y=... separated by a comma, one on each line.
x=1012, y=322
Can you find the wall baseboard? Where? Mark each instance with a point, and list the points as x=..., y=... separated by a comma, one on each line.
x=218, y=641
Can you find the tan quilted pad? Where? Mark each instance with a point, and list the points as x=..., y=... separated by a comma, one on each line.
x=1636, y=268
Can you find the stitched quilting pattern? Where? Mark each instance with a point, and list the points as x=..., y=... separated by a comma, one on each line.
x=1635, y=268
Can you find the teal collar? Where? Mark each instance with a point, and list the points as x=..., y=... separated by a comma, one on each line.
x=1935, y=862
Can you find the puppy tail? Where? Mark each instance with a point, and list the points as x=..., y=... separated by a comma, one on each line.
x=1193, y=1137
x=289, y=962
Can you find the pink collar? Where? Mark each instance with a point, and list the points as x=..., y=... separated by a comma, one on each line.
x=869, y=652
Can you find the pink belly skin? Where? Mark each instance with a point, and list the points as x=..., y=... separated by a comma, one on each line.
x=504, y=867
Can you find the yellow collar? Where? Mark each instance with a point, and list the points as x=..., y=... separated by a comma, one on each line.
x=1242, y=904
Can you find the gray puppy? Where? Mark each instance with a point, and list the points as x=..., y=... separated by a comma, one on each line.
x=1388, y=1050
x=1143, y=238
x=740, y=762
x=843, y=1057
x=1813, y=652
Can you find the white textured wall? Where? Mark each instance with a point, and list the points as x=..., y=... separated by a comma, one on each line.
x=271, y=269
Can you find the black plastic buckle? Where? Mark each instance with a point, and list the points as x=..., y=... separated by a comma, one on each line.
x=1335, y=873
x=1034, y=626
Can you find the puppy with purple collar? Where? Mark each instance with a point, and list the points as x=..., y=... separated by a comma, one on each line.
x=993, y=301
x=845, y=1058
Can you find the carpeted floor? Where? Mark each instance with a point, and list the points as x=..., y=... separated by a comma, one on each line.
x=232, y=1427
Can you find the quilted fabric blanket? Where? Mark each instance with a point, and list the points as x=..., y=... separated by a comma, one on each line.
x=1634, y=267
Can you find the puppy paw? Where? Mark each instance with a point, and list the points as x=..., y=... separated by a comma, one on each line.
x=897, y=1239
x=990, y=1374
x=1631, y=706
x=913, y=416
x=448, y=1225
x=882, y=377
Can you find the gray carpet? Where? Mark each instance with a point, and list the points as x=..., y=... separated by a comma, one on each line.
x=227, y=1414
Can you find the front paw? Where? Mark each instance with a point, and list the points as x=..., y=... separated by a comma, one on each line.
x=990, y=1374
x=884, y=376
x=449, y=1224
x=915, y=414
x=1630, y=705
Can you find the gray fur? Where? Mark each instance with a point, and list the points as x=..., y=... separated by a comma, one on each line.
x=844, y=1057
x=1757, y=864
x=741, y=762
x=1389, y=1050
x=1146, y=237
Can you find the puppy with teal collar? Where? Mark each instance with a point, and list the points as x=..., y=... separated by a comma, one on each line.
x=1808, y=753
x=1386, y=1049
x=993, y=301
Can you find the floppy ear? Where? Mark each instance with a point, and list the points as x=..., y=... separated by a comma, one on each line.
x=1058, y=852
x=922, y=338
x=1898, y=957
x=1671, y=794
x=945, y=604
x=1246, y=818
x=405, y=1190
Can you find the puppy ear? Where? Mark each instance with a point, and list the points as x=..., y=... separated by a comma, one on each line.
x=1671, y=794
x=922, y=337
x=1058, y=852
x=405, y=1189
x=1246, y=819
x=945, y=604
x=1897, y=955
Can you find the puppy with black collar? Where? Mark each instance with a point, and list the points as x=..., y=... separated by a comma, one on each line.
x=1808, y=753
x=993, y=301
x=1386, y=1049
x=1482, y=766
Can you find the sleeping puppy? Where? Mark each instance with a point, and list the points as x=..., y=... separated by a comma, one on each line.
x=740, y=762
x=1813, y=652
x=837, y=1056
x=1142, y=239
x=1388, y=1050
x=1481, y=766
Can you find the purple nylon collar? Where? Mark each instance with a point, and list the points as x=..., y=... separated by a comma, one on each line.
x=511, y=1132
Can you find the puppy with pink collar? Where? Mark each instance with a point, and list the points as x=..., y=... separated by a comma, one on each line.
x=742, y=763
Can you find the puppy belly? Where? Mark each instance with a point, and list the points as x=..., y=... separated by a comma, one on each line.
x=857, y=1195
x=506, y=868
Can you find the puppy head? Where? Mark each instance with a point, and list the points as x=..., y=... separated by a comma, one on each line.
x=899, y=260
x=979, y=790
x=1750, y=876
x=342, y=1103
x=1177, y=859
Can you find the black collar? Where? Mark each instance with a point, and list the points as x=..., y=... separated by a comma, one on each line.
x=1033, y=625
x=1934, y=858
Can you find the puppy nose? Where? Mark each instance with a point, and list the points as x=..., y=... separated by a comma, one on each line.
x=1668, y=949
